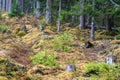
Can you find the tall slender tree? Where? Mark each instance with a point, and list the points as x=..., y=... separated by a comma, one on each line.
x=9, y=5
x=0, y=4
x=3, y=5
x=82, y=17
x=48, y=11
x=92, y=23
x=38, y=13
x=22, y=4
x=59, y=16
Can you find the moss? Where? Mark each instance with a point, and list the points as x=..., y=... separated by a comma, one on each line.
x=16, y=31
x=21, y=33
x=105, y=34
x=4, y=27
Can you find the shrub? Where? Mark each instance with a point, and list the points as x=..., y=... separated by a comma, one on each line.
x=44, y=58
x=102, y=71
x=62, y=42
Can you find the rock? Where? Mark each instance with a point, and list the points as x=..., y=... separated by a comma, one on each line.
x=70, y=67
x=111, y=59
x=88, y=44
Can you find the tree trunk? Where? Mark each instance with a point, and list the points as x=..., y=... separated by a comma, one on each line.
x=38, y=13
x=48, y=11
x=9, y=5
x=59, y=21
x=0, y=4
x=109, y=21
x=92, y=35
x=92, y=29
x=3, y=5
x=6, y=8
x=22, y=5
x=88, y=21
x=82, y=17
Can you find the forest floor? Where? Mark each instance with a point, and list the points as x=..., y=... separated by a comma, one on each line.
x=17, y=48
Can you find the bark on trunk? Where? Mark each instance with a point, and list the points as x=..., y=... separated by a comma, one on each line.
x=3, y=5
x=9, y=5
x=22, y=7
x=82, y=17
x=0, y=4
x=7, y=2
x=38, y=13
x=110, y=22
x=59, y=22
x=88, y=23
x=48, y=11
x=92, y=35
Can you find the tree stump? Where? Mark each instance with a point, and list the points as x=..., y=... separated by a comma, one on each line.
x=70, y=67
x=111, y=59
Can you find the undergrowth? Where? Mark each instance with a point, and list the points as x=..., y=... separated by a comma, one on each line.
x=102, y=71
x=62, y=42
x=44, y=58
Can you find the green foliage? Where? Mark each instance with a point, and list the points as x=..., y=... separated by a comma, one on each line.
x=62, y=42
x=102, y=70
x=44, y=58
x=16, y=11
x=4, y=27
